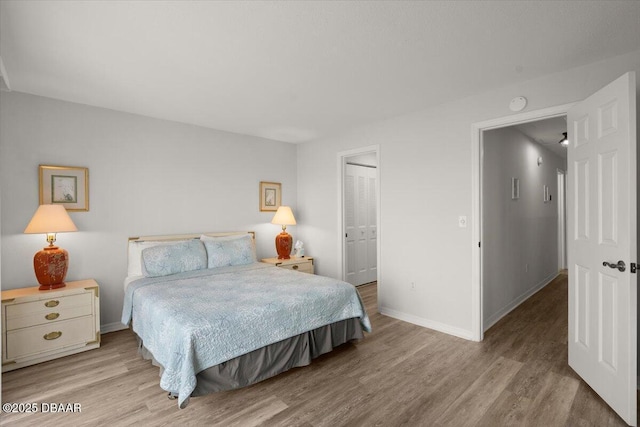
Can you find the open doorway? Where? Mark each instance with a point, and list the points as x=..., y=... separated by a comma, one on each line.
x=521, y=213
x=478, y=129
x=359, y=219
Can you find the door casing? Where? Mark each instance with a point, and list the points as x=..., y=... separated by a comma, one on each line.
x=477, y=130
x=562, y=219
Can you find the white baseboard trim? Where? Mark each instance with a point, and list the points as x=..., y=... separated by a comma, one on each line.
x=112, y=327
x=431, y=324
x=516, y=302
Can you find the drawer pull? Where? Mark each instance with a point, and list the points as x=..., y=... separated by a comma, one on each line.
x=52, y=303
x=52, y=335
x=52, y=316
x=295, y=267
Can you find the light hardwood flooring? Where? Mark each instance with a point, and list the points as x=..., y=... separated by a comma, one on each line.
x=401, y=374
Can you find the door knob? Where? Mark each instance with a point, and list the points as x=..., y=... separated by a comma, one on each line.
x=620, y=265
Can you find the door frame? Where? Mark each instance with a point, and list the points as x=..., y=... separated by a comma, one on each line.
x=342, y=156
x=562, y=218
x=477, y=129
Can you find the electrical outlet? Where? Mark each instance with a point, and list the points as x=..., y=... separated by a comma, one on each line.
x=462, y=221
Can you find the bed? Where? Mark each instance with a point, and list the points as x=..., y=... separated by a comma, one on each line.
x=213, y=318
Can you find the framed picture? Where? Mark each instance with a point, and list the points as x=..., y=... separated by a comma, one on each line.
x=65, y=185
x=545, y=194
x=270, y=196
x=515, y=188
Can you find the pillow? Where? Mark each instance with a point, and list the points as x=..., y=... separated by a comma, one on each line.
x=135, y=254
x=229, y=250
x=164, y=260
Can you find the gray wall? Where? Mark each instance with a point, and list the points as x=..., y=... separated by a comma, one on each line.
x=519, y=237
x=146, y=177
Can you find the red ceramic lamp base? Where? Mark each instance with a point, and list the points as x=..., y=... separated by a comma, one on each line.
x=50, y=266
x=284, y=242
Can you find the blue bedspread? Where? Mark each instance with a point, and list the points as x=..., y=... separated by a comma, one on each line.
x=198, y=319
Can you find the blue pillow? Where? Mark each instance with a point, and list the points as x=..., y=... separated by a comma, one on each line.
x=226, y=251
x=163, y=260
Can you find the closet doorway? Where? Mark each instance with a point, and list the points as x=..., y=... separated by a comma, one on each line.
x=360, y=217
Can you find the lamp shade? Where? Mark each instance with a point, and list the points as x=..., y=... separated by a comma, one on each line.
x=284, y=216
x=50, y=219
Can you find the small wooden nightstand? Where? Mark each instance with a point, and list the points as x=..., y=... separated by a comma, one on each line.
x=42, y=325
x=304, y=264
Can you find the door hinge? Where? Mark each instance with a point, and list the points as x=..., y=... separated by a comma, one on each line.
x=633, y=268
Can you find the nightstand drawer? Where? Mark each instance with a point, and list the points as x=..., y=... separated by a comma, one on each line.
x=53, y=315
x=48, y=305
x=43, y=338
x=303, y=267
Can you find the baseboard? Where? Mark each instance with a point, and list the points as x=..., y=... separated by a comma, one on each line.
x=516, y=302
x=112, y=327
x=431, y=324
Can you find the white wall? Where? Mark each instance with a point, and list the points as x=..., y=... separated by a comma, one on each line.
x=425, y=184
x=146, y=177
x=150, y=176
x=519, y=237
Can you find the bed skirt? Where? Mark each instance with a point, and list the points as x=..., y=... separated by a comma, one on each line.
x=271, y=360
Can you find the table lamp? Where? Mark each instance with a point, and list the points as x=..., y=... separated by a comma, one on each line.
x=284, y=241
x=51, y=263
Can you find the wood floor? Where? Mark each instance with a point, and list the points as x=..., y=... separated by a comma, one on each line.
x=401, y=374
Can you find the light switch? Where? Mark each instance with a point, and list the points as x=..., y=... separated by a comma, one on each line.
x=462, y=221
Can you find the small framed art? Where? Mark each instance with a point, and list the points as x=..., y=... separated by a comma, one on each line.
x=515, y=188
x=545, y=194
x=270, y=196
x=65, y=185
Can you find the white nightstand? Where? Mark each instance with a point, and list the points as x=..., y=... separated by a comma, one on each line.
x=303, y=264
x=42, y=325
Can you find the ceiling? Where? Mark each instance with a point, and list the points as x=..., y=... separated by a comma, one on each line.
x=298, y=70
x=547, y=132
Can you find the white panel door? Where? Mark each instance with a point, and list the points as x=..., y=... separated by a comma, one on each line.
x=602, y=219
x=360, y=224
x=350, y=224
